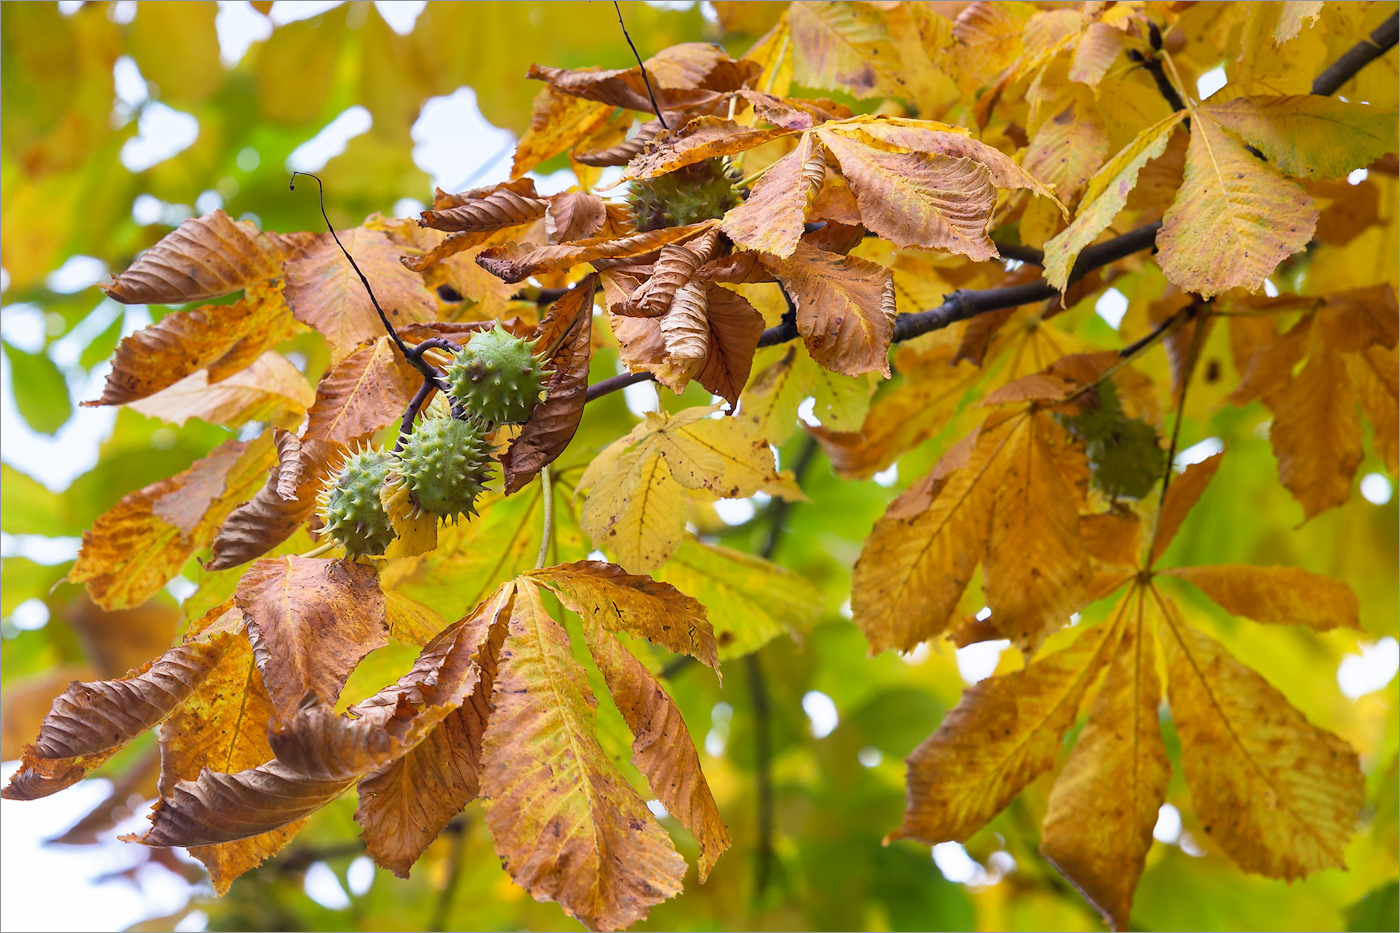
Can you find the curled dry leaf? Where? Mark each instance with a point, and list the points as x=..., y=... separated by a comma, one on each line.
x=508, y=204
x=677, y=265
x=180, y=344
x=622, y=88
x=203, y=258
x=702, y=138
x=366, y=391
x=771, y=220
x=623, y=152
x=91, y=721
x=513, y=262
x=286, y=501
x=310, y=622
x=574, y=215
x=685, y=329
x=554, y=421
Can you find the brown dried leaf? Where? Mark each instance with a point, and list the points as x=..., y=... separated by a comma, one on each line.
x=623, y=88
x=919, y=199
x=772, y=218
x=1316, y=434
x=513, y=261
x=677, y=265
x=271, y=389
x=557, y=122
x=840, y=308
x=553, y=423
x=326, y=294
x=133, y=550
x=366, y=391
x=310, y=622
x=574, y=215
x=662, y=749
x=735, y=327
x=280, y=507
x=185, y=342
x=702, y=138
x=1181, y=497
x=638, y=605
x=685, y=331
x=623, y=152
x=203, y=258
x=404, y=805
x=508, y=204
x=91, y=721
x=567, y=826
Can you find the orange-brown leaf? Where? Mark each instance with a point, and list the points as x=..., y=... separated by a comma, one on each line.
x=557, y=122
x=1181, y=497
x=513, y=261
x=310, y=621
x=1004, y=732
x=203, y=258
x=326, y=294
x=1316, y=434
x=366, y=391
x=553, y=423
x=1277, y=595
x=567, y=826
x=508, y=204
x=772, y=218
x=91, y=721
x=574, y=215
x=702, y=138
x=638, y=605
x=1104, y=804
x=662, y=749
x=840, y=308
x=1279, y=795
x=133, y=550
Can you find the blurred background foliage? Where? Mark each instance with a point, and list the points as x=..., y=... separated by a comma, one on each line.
x=94, y=99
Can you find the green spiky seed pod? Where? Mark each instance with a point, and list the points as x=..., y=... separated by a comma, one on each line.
x=1125, y=455
x=701, y=191
x=445, y=463
x=496, y=377
x=349, y=504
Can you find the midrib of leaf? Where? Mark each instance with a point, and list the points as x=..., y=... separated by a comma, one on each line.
x=297, y=651
x=1108, y=630
x=242, y=713
x=1172, y=623
x=1138, y=639
x=1235, y=227
x=565, y=723
x=359, y=383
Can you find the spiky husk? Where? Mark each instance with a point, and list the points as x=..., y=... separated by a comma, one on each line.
x=496, y=377
x=1125, y=454
x=702, y=191
x=445, y=463
x=349, y=505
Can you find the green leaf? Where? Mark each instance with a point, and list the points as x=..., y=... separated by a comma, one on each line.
x=39, y=389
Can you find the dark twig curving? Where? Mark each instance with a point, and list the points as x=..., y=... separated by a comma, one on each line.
x=655, y=107
x=1381, y=40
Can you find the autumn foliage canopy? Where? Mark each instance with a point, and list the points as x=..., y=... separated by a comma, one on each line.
x=821, y=287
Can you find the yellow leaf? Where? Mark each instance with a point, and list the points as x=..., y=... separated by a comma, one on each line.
x=557, y=122
x=271, y=389
x=662, y=750
x=1104, y=805
x=620, y=602
x=1279, y=795
x=567, y=826
x=1277, y=595
x=1308, y=136
x=1291, y=17
x=842, y=46
x=638, y=512
x=415, y=530
x=1104, y=196
x=1004, y=732
x=749, y=600
x=1234, y=219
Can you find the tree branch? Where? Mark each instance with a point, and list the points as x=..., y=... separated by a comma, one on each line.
x=1381, y=40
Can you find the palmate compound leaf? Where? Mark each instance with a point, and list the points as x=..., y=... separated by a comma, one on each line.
x=1104, y=803
x=567, y=826
x=136, y=548
x=1007, y=496
x=310, y=622
x=1004, y=732
x=1234, y=219
x=203, y=258
x=319, y=754
x=636, y=487
x=1279, y=795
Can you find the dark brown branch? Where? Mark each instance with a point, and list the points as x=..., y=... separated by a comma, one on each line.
x=763, y=772
x=1026, y=254
x=540, y=296
x=655, y=107
x=1153, y=65
x=1357, y=57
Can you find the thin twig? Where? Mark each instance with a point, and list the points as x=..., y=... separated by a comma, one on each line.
x=393, y=334
x=548, y=538
x=458, y=827
x=656, y=108
x=1202, y=319
x=1357, y=57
